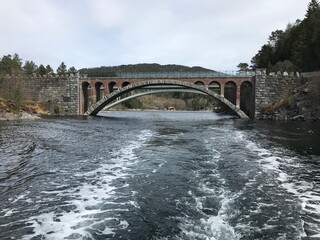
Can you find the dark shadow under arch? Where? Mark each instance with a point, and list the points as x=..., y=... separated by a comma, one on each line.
x=124, y=84
x=230, y=92
x=215, y=87
x=99, y=91
x=199, y=83
x=247, y=98
x=86, y=88
x=111, y=86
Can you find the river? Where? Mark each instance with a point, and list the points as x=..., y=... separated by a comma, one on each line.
x=159, y=175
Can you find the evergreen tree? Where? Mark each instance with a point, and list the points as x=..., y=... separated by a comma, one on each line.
x=42, y=70
x=312, y=35
x=263, y=58
x=10, y=65
x=49, y=70
x=275, y=38
x=243, y=66
x=16, y=62
x=62, y=69
x=6, y=64
x=313, y=8
x=30, y=67
x=72, y=70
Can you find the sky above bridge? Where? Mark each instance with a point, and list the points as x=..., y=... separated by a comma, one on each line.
x=86, y=33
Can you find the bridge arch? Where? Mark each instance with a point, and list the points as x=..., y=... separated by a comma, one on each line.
x=230, y=92
x=86, y=92
x=111, y=86
x=99, y=87
x=124, y=84
x=199, y=83
x=215, y=87
x=136, y=95
x=95, y=108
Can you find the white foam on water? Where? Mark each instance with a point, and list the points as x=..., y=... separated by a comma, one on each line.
x=155, y=170
x=19, y=197
x=88, y=208
x=208, y=226
x=8, y=212
x=124, y=224
x=308, y=195
x=218, y=226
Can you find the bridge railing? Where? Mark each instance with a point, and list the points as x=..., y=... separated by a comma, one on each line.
x=203, y=74
x=185, y=74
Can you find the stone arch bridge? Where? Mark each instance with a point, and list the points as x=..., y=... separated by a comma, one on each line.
x=235, y=91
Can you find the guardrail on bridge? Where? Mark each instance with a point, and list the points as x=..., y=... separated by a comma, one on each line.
x=203, y=74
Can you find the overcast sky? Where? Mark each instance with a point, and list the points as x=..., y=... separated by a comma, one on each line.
x=217, y=34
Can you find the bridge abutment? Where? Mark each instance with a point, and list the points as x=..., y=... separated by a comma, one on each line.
x=59, y=92
x=270, y=88
x=261, y=95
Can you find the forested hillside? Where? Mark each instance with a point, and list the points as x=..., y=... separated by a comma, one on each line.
x=297, y=48
x=144, y=67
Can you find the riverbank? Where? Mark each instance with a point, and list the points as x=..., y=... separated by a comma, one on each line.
x=28, y=110
x=301, y=104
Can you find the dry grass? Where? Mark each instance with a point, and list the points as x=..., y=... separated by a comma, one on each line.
x=9, y=106
x=285, y=101
x=35, y=108
x=31, y=107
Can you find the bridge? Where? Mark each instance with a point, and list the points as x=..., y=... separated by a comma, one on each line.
x=236, y=91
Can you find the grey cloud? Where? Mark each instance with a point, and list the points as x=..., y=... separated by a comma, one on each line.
x=210, y=33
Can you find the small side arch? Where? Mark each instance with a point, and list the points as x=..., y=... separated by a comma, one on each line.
x=247, y=98
x=99, y=87
x=230, y=92
x=124, y=84
x=111, y=86
x=86, y=90
x=215, y=87
x=199, y=83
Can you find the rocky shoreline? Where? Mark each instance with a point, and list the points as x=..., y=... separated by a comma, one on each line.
x=28, y=111
x=20, y=116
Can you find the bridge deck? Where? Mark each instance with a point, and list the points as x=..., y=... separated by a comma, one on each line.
x=207, y=74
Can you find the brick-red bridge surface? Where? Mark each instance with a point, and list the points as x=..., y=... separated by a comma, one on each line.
x=239, y=90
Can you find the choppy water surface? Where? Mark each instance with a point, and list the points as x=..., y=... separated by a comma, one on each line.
x=159, y=175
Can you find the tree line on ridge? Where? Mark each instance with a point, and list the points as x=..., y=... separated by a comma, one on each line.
x=13, y=64
x=297, y=48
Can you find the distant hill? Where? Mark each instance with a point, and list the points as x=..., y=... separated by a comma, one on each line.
x=143, y=67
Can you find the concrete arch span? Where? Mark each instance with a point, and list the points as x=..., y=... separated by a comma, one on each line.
x=151, y=92
x=109, y=98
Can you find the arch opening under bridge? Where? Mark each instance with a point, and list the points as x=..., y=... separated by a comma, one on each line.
x=113, y=95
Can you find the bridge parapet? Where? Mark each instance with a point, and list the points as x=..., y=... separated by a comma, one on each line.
x=204, y=74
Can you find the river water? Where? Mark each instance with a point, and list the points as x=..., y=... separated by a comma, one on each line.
x=159, y=175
